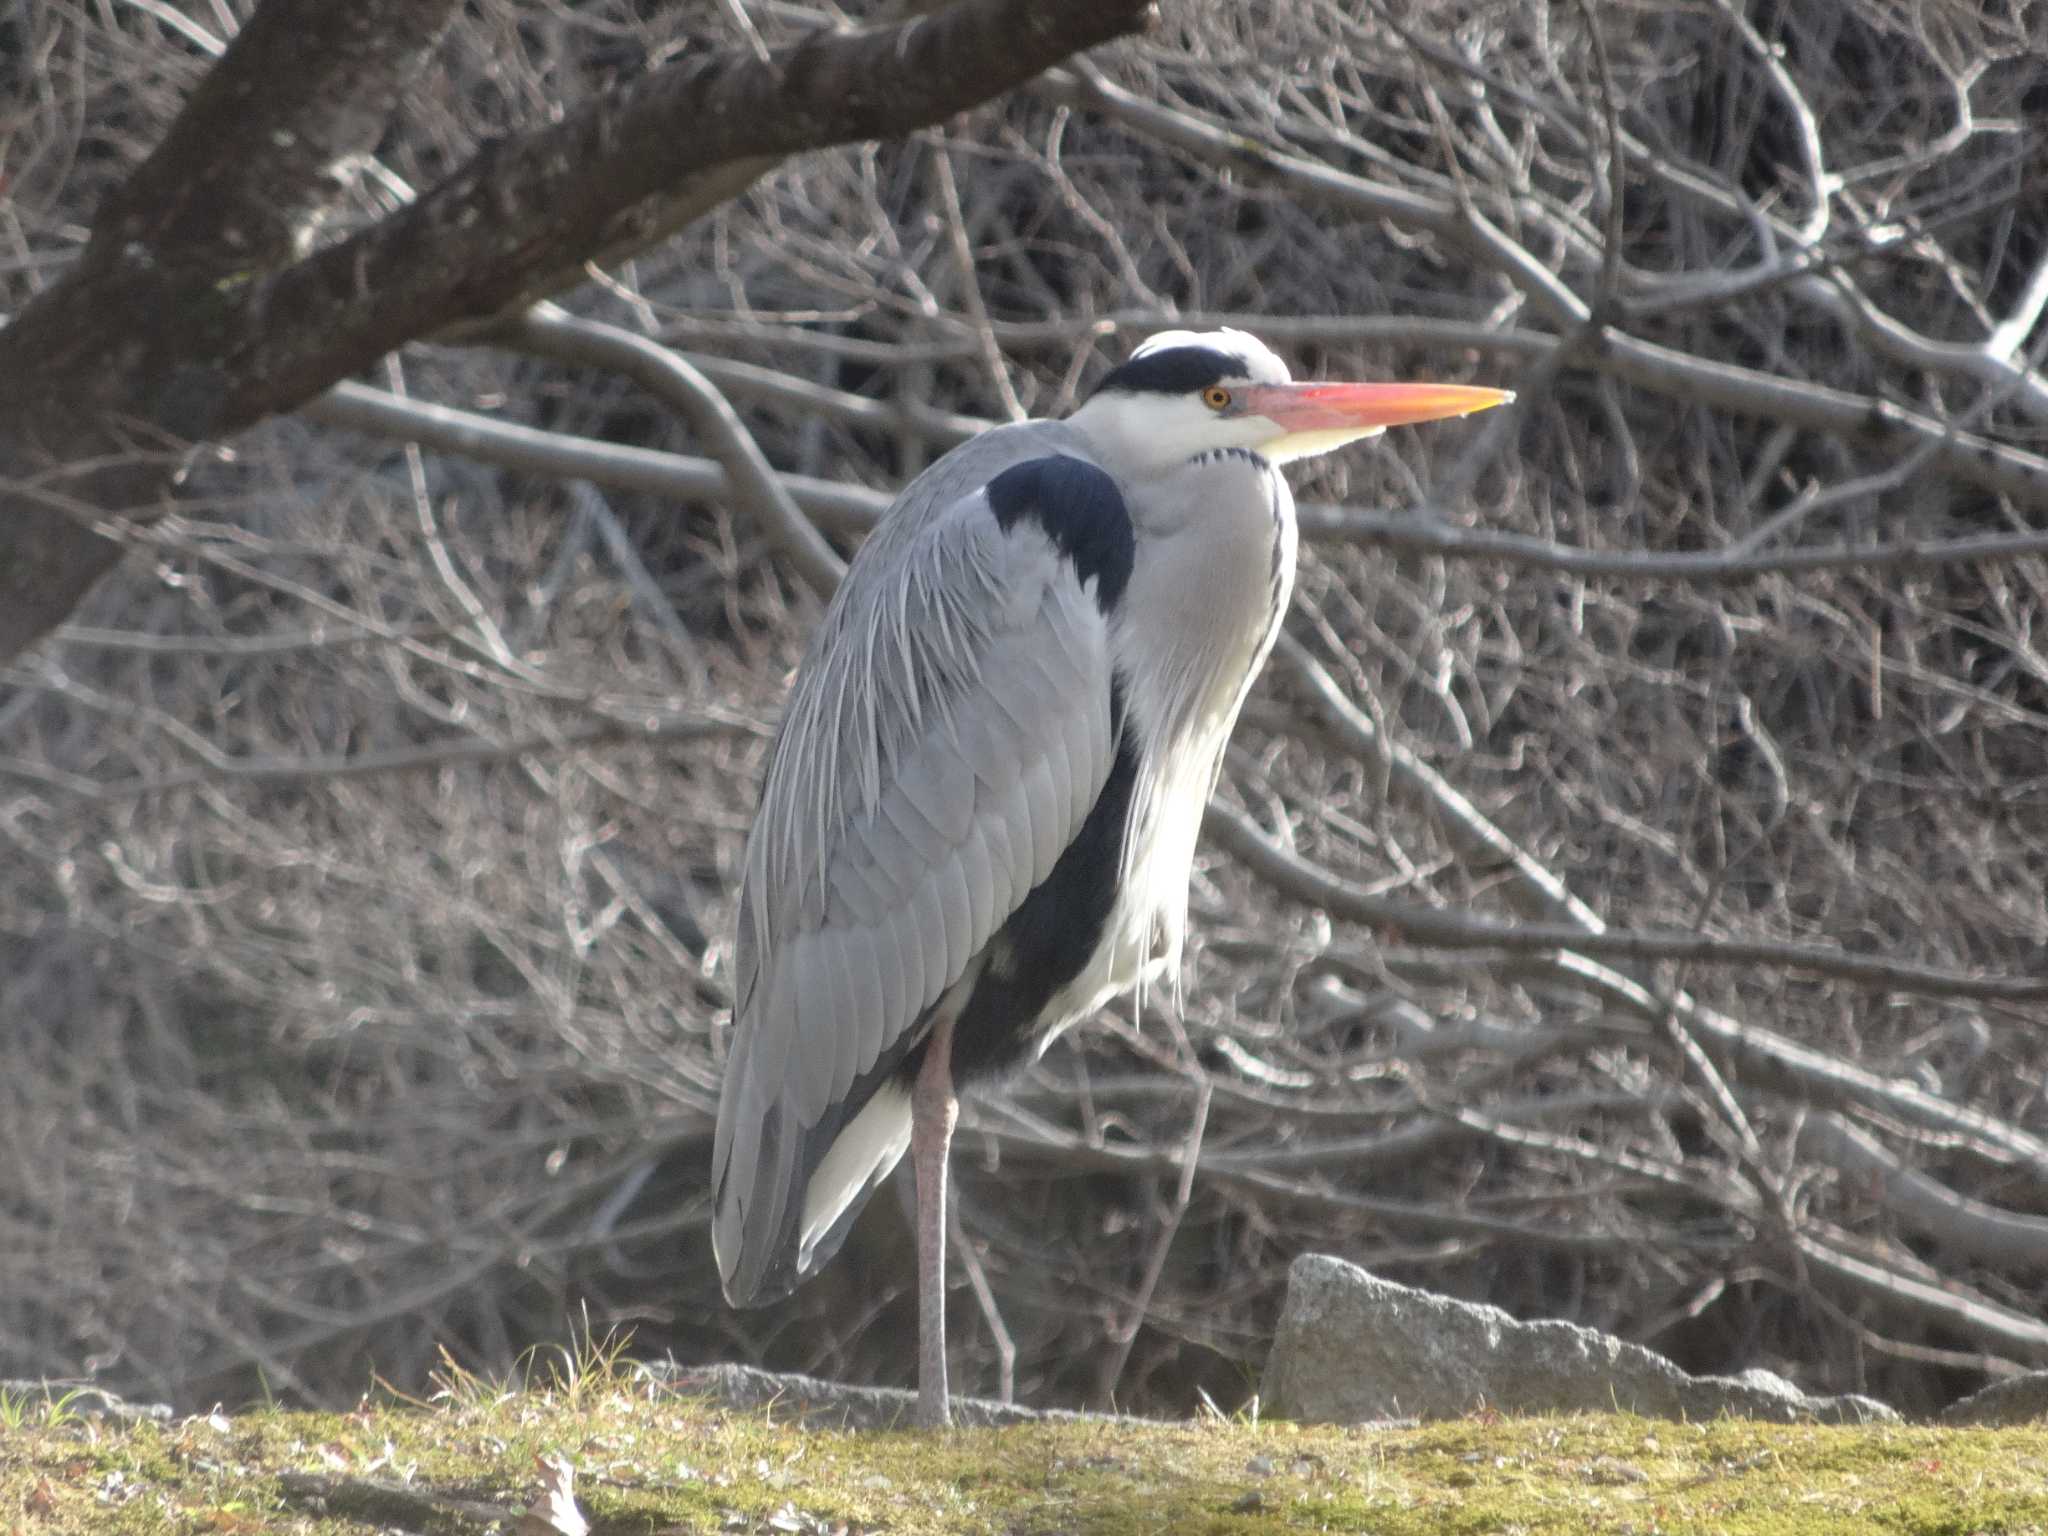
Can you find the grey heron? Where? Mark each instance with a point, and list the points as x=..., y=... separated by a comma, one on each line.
x=981, y=809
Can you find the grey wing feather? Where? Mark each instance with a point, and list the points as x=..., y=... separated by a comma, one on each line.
x=948, y=735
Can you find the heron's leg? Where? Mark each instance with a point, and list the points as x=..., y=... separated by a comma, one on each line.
x=933, y=1111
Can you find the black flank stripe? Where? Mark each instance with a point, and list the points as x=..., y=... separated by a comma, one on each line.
x=1049, y=939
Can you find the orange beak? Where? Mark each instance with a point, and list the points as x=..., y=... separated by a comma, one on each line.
x=1362, y=408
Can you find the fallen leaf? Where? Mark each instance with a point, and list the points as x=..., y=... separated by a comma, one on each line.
x=231, y=1521
x=554, y=1512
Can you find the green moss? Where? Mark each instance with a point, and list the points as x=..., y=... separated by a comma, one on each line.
x=648, y=1462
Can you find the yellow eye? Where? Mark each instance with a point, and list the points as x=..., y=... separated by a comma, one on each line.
x=1216, y=397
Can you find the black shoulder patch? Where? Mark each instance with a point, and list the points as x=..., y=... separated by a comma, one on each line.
x=1081, y=511
x=1174, y=371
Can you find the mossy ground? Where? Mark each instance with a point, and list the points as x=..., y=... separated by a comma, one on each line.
x=650, y=1462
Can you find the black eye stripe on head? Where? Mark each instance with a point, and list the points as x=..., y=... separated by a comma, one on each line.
x=1175, y=371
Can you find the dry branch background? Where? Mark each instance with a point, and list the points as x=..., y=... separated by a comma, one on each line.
x=365, y=843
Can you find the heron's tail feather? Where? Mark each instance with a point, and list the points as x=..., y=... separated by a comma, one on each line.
x=787, y=1195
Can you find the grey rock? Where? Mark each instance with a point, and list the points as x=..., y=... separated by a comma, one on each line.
x=85, y=1400
x=2021, y=1399
x=1353, y=1348
x=819, y=1404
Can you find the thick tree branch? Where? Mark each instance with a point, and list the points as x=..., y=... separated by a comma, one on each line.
x=261, y=151
x=531, y=204
x=133, y=353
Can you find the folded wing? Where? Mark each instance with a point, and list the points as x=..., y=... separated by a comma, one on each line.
x=945, y=741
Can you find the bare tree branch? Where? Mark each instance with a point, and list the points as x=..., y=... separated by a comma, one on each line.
x=842, y=508
x=1969, y=1226
x=1647, y=365
x=430, y=755
x=617, y=466
x=1952, y=1304
x=547, y=331
x=133, y=351
x=1305, y=881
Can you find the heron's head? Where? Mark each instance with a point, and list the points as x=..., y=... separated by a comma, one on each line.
x=1183, y=393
